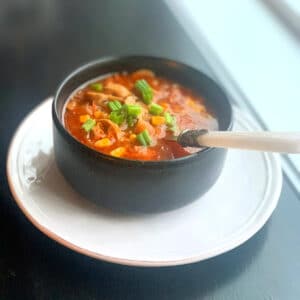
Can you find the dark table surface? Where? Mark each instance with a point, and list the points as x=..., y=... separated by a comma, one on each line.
x=42, y=41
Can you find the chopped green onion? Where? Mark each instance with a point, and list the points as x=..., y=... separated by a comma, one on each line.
x=144, y=138
x=141, y=139
x=88, y=124
x=147, y=136
x=131, y=120
x=155, y=109
x=170, y=121
x=132, y=110
x=145, y=89
x=114, y=105
x=96, y=86
x=117, y=116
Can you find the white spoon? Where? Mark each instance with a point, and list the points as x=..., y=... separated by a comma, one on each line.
x=284, y=142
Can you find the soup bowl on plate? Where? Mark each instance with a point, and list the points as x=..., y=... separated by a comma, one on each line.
x=132, y=185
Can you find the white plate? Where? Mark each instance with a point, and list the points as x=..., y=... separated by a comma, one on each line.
x=236, y=207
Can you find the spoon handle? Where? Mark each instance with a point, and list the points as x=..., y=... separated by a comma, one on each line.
x=284, y=142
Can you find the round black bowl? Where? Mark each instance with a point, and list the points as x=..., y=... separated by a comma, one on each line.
x=132, y=185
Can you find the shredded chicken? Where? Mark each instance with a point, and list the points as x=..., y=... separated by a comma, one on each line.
x=142, y=125
x=110, y=127
x=98, y=132
x=100, y=97
x=117, y=89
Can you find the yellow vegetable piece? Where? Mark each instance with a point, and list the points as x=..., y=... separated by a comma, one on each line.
x=132, y=137
x=157, y=120
x=84, y=118
x=105, y=142
x=118, y=152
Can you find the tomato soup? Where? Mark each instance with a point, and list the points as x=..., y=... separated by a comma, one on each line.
x=135, y=115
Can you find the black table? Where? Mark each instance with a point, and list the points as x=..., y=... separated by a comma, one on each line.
x=40, y=42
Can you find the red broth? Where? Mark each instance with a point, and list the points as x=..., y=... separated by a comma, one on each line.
x=133, y=116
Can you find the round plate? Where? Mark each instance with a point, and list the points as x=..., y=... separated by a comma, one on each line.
x=236, y=207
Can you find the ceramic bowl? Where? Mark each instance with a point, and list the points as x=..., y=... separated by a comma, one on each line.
x=133, y=185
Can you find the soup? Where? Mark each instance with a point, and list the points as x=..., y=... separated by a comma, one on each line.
x=134, y=116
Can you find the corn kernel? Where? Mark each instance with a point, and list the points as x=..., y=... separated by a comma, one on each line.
x=118, y=152
x=97, y=114
x=105, y=142
x=157, y=120
x=132, y=137
x=83, y=118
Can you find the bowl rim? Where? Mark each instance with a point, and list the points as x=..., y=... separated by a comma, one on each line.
x=133, y=162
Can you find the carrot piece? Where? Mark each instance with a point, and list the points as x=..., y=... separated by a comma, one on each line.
x=98, y=114
x=164, y=105
x=132, y=137
x=84, y=118
x=157, y=120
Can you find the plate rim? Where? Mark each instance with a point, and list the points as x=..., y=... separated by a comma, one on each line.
x=272, y=199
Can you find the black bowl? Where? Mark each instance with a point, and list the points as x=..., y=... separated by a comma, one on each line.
x=133, y=185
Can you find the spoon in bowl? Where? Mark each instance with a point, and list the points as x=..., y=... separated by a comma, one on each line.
x=283, y=142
